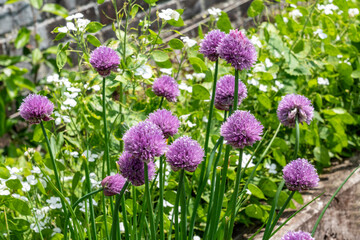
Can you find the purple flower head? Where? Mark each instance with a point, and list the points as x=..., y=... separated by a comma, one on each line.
x=209, y=45
x=113, y=184
x=300, y=175
x=168, y=123
x=300, y=235
x=241, y=129
x=185, y=153
x=224, y=95
x=237, y=50
x=36, y=108
x=133, y=169
x=167, y=87
x=104, y=60
x=292, y=106
x=145, y=141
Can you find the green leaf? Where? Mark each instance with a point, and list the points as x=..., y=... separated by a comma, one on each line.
x=94, y=27
x=93, y=40
x=279, y=157
x=36, y=3
x=14, y=184
x=255, y=8
x=268, y=187
x=60, y=36
x=179, y=22
x=22, y=38
x=198, y=64
x=264, y=101
x=159, y=56
x=330, y=26
x=200, y=93
x=176, y=43
x=18, y=205
x=100, y=1
x=256, y=191
x=18, y=224
x=55, y=9
x=254, y=211
x=61, y=57
x=24, y=83
x=298, y=198
x=38, y=135
x=331, y=50
x=299, y=46
x=134, y=10
x=3, y=127
x=6, y=60
x=150, y=1
x=322, y=155
x=4, y=173
x=224, y=23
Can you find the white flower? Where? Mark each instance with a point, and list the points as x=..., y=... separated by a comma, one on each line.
x=205, y=119
x=54, y=202
x=274, y=89
x=253, y=81
x=70, y=102
x=295, y=13
x=18, y=196
x=166, y=70
x=91, y=156
x=268, y=63
x=74, y=154
x=246, y=159
x=353, y=12
x=75, y=16
x=82, y=23
x=58, y=121
x=145, y=71
x=184, y=117
x=31, y=180
x=52, y=78
x=4, y=192
x=167, y=204
x=26, y=187
x=260, y=67
x=328, y=8
x=189, y=42
x=256, y=41
x=190, y=124
x=55, y=231
x=196, y=238
x=66, y=119
x=263, y=88
x=279, y=84
x=248, y=192
x=169, y=14
x=285, y=19
x=323, y=81
x=320, y=33
x=36, y=170
x=62, y=29
x=70, y=95
x=74, y=89
x=96, y=88
x=35, y=227
x=70, y=26
x=339, y=56
x=216, y=12
x=271, y=167
x=293, y=6
x=13, y=170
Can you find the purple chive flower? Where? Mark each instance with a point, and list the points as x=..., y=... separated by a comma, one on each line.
x=133, y=169
x=300, y=175
x=113, y=184
x=145, y=141
x=167, y=87
x=209, y=45
x=168, y=123
x=241, y=129
x=292, y=106
x=224, y=95
x=237, y=50
x=300, y=235
x=184, y=153
x=36, y=108
x=104, y=60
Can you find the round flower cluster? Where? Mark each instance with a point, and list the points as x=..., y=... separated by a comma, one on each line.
x=224, y=95
x=209, y=45
x=241, y=129
x=168, y=123
x=300, y=235
x=300, y=175
x=36, y=108
x=237, y=50
x=104, y=60
x=167, y=87
x=113, y=184
x=132, y=168
x=292, y=106
x=145, y=141
x=184, y=153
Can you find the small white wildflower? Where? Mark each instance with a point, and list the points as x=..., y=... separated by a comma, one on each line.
x=248, y=192
x=185, y=87
x=256, y=41
x=320, y=33
x=353, y=12
x=268, y=63
x=260, y=67
x=4, y=192
x=71, y=95
x=205, y=119
x=145, y=71
x=74, y=154
x=54, y=202
x=26, y=187
x=167, y=71
x=169, y=14
x=323, y=81
x=167, y=204
x=328, y=8
x=55, y=231
x=274, y=89
x=66, y=119
x=263, y=88
x=82, y=23
x=196, y=238
x=74, y=89
x=253, y=81
x=189, y=42
x=36, y=170
x=246, y=159
x=295, y=13
x=31, y=180
x=75, y=16
x=216, y=12
x=35, y=227
x=70, y=26
x=271, y=167
x=184, y=117
x=91, y=156
x=339, y=56
x=62, y=29
x=18, y=196
x=285, y=19
x=58, y=121
x=190, y=124
x=70, y=102
x=96, y=88
x=279, y=84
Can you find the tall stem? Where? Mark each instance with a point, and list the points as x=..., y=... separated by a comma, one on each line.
x=207, y=136
x=134, y=225
x=297, y=140
x=161, y=199
x=236, y=92
x=183, y=208
x=161, y=102
x=106, y=157
x=234, y=197
x=126, y=226
x=115, y=228
x=88, y=186
x=149, y=202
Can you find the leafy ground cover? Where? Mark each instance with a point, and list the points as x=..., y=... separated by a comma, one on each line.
x=309, y=49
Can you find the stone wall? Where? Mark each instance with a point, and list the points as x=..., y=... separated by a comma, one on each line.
x=21, y=14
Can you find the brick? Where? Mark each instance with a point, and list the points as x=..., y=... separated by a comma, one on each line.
x=90, y=14
x=6, y=19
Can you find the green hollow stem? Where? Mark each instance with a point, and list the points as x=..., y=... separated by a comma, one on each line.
x=161, y=102
x=331, y=199
x=104, y=217
x=88, y=186
x=183, y=208
x=176, y=211
x=161, y=199
x=134, y=225
x=236, y=92
x=280, y=213
x=107, y=157
x=149, y=203
x=203, y=167
x=123, y=209
x=297, y=139
x=115, y=228
x=272, y=211
x=234, y=197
